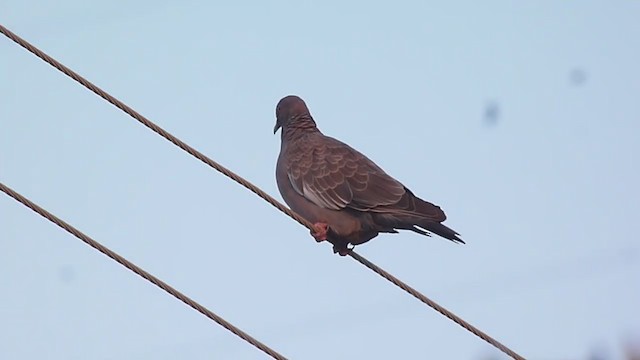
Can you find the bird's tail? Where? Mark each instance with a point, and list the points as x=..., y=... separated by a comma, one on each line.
x=442, y=230
x=415, y=223
x=415, y=214
x=431, y=218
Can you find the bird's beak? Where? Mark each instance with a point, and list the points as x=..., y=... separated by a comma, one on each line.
x=275, y=128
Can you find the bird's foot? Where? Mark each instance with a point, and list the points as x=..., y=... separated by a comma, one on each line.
x=342, y=250
x=320, y=231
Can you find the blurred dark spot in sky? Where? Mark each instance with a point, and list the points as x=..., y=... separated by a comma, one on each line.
x=491, y=113
x=599, y=353
x=66, y=274
x=577, y=77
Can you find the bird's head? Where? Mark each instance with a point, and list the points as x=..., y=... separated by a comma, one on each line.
x=289, y=109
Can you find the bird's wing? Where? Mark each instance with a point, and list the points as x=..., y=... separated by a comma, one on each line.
x=333, y=175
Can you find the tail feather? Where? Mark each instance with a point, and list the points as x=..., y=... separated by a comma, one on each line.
x=415, y=214
x=442, y=230
x=416, y=223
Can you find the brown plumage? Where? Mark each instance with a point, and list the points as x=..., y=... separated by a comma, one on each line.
x=333, y=185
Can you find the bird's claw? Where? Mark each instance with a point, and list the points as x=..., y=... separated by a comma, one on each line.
x=320, y=231
x=342, y=250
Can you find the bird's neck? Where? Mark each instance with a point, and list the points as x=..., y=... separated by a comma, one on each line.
x=299, y=127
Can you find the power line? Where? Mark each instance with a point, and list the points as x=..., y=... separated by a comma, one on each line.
x=139, y=271
x=160, y=131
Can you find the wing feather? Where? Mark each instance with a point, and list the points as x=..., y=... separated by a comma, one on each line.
x=333, y=175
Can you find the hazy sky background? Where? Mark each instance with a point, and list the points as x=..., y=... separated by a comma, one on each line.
x=522, y=120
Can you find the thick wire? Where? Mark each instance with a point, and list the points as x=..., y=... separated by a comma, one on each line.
x=139, y=271
x=160, y=131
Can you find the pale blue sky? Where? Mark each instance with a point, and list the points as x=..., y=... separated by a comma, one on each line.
x=546, y=198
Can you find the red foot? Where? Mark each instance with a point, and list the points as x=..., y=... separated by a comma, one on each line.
x=320, y=232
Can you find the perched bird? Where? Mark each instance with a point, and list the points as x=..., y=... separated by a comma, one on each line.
x=348, y=197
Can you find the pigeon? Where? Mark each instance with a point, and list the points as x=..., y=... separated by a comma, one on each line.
x=348, y=198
